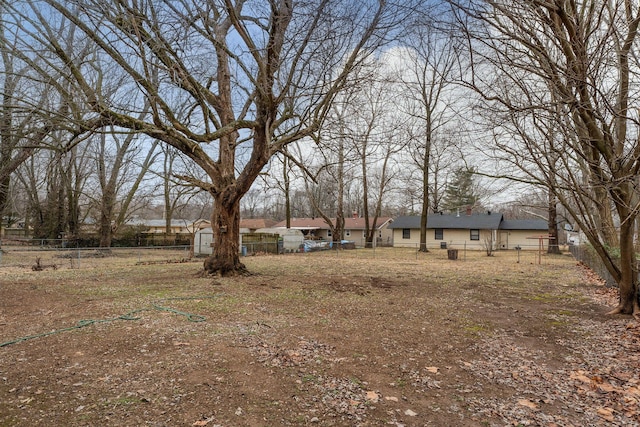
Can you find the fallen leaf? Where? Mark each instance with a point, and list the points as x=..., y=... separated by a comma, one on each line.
x=606, y=388
x=633, y=390
x=527, y=403
x=606, y=413
x=372, y=396
x=580, y=376
x=432, y=369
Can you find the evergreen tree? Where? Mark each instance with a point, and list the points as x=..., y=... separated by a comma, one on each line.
x=460, y=192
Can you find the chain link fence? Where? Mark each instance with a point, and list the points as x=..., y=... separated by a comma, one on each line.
x=587, y=255
x=52, y=254
x=43, y=257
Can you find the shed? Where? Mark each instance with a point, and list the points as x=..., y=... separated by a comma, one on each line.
x=203, y=240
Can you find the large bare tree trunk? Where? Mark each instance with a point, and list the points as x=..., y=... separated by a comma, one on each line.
x=554, y=244
x=628, y=278
x=603, y=217
x=106, y=217
x=225, y=223
x=287, y=189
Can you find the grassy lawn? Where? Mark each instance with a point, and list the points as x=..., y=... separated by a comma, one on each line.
x=360, y=337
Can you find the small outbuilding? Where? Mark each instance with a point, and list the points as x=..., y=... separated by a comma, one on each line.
x=202, y=242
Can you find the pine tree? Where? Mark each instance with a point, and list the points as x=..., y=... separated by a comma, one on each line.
x=461, y=192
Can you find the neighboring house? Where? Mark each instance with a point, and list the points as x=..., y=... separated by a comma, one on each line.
x=354, y=229
x=177, y=226
x=251, y=225
x=524, y=233
x=471, y=231
x=312, y=228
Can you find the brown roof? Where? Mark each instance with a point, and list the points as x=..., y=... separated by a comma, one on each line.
x=359, y=224
x=304, y=223
x=255, y=223
x=319, y=223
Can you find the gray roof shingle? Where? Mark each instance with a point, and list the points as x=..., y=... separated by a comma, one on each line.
x=463, y=222
x=524, y=224
x=484, y=221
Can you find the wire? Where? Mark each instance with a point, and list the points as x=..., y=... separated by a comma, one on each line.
x=131, y=315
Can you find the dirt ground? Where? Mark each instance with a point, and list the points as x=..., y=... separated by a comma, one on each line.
x=352, y=338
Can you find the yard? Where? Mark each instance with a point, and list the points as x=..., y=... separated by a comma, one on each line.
x=349, y=338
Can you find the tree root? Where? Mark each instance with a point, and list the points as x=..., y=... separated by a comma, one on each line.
x=618, y=310
x=227, y=273
x=624, y=309
x=214, y=268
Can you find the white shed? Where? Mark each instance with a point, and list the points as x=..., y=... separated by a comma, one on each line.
x=202, y=242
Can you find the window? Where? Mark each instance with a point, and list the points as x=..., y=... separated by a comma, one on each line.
x=439, y=233
x=347, y=233
x=329, y=233
x=475, y=234
x=406, y=233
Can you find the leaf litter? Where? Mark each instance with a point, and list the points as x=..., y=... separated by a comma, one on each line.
x=484, y=342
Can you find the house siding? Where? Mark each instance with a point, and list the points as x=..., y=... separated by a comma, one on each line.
x=454, y=239
x=525, y=239
x=456, y=232
x=384, y=236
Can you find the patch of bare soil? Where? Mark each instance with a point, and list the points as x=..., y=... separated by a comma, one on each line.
x=319, y=339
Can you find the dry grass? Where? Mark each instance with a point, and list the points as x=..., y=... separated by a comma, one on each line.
x=307, y=339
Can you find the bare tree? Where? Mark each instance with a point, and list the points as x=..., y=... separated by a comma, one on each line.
x=564, y=76
x=427, y=76
x=352, y=165
x=53, y=183
x=257, y=76
x=119, y=176
x=26, y=124
x=175, y=194
x=39, y=112
x=375, y=133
